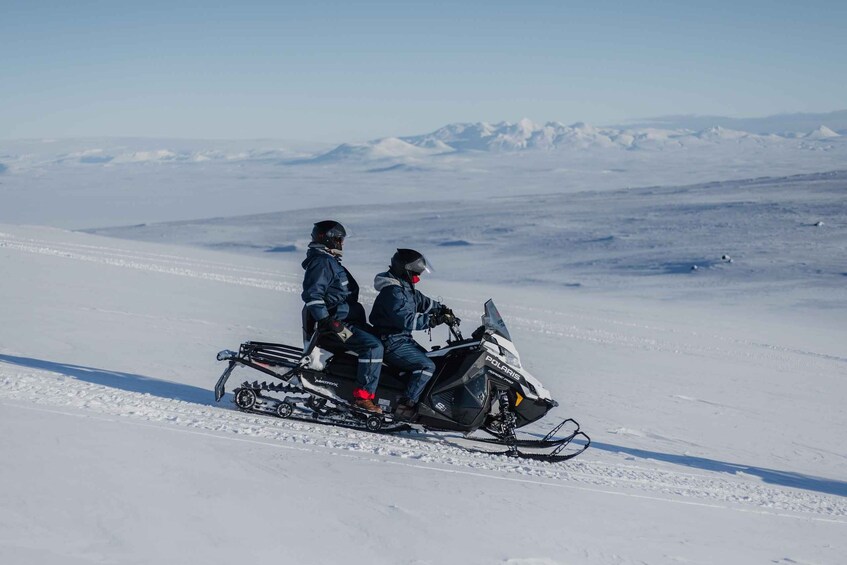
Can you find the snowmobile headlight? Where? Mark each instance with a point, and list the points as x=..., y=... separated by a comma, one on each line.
x=512, y=359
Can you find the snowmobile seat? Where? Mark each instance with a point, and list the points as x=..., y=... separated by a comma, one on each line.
x=345, y=365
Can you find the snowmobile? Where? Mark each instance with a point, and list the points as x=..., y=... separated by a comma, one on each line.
x=479, y=384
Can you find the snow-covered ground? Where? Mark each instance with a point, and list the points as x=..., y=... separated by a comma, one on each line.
x=681, y=293
x=719, y=241
x=717, y=428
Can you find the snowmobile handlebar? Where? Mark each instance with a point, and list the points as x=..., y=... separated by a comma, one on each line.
x=453, y=326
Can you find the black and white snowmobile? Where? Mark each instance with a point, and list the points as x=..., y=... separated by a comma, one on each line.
x=479, y=384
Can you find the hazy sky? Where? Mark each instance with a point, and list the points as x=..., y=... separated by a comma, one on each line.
x=351, y=71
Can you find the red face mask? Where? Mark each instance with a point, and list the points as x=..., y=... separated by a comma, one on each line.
x=416, y=279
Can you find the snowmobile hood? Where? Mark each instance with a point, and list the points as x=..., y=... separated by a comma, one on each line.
x=386, y=279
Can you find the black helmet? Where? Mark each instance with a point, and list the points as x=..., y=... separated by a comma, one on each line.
x=407, y=263
x=329, y=233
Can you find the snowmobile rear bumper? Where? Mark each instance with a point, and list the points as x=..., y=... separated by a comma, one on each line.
x=261, y=356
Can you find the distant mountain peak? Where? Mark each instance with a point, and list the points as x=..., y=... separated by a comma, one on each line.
x=822, y=132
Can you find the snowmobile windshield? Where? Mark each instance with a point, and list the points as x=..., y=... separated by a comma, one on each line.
x=494, y=322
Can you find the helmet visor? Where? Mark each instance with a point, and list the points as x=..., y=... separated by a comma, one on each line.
x=420, y=265
x=329, y=233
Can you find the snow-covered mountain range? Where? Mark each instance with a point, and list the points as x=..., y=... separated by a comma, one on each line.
x=527, y=135
x=136, y=180
x=26, y=155
x=452, y=139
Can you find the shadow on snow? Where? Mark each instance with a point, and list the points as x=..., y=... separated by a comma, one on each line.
x=116, y=379
x=772, y=476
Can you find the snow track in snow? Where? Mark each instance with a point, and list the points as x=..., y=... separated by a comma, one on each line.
x=428, y=451
x=157, y=263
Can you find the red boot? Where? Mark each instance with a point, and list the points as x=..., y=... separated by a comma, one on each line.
x=364, y=400
x=367, y=404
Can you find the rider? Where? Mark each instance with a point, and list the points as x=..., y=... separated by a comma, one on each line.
x=397, y=311
x=331, y=297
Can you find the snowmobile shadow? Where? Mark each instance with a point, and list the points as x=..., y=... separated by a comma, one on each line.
x=772, y=476
x=115, y=379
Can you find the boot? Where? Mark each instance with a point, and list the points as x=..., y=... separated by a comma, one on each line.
x=405, y=410
x=367, y=404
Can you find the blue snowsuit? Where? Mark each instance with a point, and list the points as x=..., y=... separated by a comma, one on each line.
x=397, y=311
x=329, y=291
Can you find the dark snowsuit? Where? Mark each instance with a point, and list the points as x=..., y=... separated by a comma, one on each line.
x=397, y=311
x=329, y=291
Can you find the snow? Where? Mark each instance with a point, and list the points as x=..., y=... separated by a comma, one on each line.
x=714, y=398
x=822, y=132
x=388, y=148
x=87, y=183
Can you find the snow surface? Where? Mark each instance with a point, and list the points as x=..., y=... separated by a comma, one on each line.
x=86, y=183
x=714, y=397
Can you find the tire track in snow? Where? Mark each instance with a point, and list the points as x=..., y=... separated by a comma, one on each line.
x=47, y=389
x=129, y=260
x=109, y=251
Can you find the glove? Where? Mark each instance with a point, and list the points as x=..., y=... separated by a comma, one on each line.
x=442, y=315
x=447, y=317
x=334, y=328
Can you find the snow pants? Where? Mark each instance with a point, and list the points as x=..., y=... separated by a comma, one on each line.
x=403, y=352
x=369, y=349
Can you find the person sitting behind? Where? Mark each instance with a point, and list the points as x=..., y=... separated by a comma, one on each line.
x=330, y=295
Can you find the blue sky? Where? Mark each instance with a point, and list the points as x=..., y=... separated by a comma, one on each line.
x=350, y=71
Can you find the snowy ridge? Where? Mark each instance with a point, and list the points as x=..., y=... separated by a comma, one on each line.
x=387, y=148
x=528, y=135
x=456, y=138
x=822, y=132
x=57, y=391
x=111, y=152
x=132, y=182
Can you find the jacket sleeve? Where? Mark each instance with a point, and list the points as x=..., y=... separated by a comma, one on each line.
x=427, y=307
x=315, y=283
